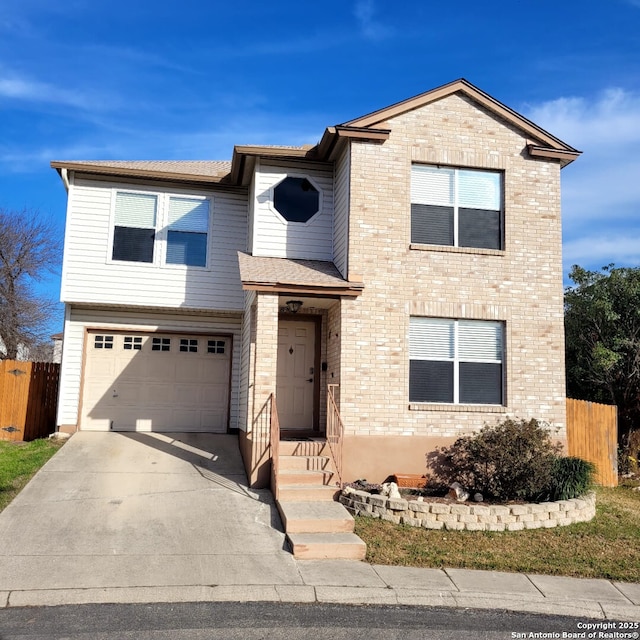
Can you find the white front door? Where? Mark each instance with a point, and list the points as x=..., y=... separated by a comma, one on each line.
x=296, y=374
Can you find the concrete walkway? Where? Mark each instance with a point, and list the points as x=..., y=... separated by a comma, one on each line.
x=150, y=518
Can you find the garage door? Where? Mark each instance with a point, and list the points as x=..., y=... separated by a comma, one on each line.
x=156, y=382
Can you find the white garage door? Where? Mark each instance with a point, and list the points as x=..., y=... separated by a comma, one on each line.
x=156, y=382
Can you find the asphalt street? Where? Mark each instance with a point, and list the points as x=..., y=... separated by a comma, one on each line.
x=259, y=620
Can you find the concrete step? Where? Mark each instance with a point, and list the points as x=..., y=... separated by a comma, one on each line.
x=304, y=476
x=304, y=492
x=315, y=517
x=304, y=462
x=310, y=447
x=324, y=546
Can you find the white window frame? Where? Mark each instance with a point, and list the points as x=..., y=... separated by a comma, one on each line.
x=162, y=229
x=455, y=204
x=456, y=359
x=281, y=178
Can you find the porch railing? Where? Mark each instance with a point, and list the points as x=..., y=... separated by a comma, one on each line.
x=274, y=441
x=335, y=430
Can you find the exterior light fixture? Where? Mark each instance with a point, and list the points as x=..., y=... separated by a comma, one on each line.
x=293, y=306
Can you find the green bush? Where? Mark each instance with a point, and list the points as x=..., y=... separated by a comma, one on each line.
x=570, y=478
x=510, y=461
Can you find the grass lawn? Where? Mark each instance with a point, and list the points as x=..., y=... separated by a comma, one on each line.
x=607, y=547
x=18, y=463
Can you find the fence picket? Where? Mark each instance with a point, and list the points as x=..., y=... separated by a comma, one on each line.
x=28, y=399
x=592, y=434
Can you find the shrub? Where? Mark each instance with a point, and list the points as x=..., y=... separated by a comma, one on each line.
x=510, y=461
x=570, y=478
x=629, y=453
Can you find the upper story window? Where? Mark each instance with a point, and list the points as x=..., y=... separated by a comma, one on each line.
x=187, y=231
x=160, y=228
x=135, y=227
x=456, y=361
x=296, y=199
x=456, y=207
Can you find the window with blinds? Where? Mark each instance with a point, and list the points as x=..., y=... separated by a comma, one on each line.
x=135, y=227
x=188, y=226
x=456, y=207
x=167, y=229
x=456, y=361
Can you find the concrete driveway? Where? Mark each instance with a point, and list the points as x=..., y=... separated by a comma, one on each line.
x=138, y=510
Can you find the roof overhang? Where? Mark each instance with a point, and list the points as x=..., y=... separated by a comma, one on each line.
x=565, y=157
x=127, y=171
x=544, y=141
x=302, y=277
x=245, y=156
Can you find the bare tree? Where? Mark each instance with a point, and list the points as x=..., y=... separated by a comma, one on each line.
x=29, y=249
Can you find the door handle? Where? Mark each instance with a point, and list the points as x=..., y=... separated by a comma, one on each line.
x=310, y=380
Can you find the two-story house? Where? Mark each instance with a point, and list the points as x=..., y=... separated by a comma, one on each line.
x=398, y=284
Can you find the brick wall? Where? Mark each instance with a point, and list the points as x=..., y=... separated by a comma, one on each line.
x=521, y=286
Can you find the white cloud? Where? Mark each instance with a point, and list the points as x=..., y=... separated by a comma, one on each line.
x=371, y=29
x=611, y=120
x=597, y=250
x=601, y=189
x=14, y=87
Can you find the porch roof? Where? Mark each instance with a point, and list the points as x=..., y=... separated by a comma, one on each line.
x=286, y=275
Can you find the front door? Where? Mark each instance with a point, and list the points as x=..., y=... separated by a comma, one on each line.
x=296, y=374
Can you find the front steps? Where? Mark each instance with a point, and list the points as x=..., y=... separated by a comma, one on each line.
x=316, y=526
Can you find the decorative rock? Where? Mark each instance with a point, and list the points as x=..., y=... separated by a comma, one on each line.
x=440, y=508
x=388, y=518
x=397, y=504
x=421, y=507
x=478, y=497
x=391, y=489
x=59, y=435
x=458, y=492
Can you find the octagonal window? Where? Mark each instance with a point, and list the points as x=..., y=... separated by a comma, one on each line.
x=296, y=199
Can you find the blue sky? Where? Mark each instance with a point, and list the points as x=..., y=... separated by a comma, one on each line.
x=90, y=79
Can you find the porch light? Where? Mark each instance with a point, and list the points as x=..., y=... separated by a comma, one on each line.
x=293, y=306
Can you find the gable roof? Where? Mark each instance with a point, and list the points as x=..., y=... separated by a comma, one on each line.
x=546, y=142
x=369, y=127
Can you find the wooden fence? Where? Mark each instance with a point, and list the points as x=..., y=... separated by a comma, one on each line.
x=592, y=434
x=28, y=399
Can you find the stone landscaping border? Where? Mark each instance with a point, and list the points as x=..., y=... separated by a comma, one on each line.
x=470, y=517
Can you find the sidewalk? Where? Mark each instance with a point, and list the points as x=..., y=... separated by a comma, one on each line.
x=143, y=518
x=352, y=582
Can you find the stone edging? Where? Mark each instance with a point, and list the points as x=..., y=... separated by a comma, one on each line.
x=470, y=517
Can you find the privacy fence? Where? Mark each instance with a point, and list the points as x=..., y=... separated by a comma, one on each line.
x=592, y=434
x=28, y=398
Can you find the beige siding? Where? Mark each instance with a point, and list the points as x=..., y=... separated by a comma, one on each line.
x=521, y=286
x=272, y=235
x=78, y=320
x=341, y=213
x=90, y=277
x=251, y=214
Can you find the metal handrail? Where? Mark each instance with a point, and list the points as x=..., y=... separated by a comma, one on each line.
x=274, y=440
x=335, y=430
